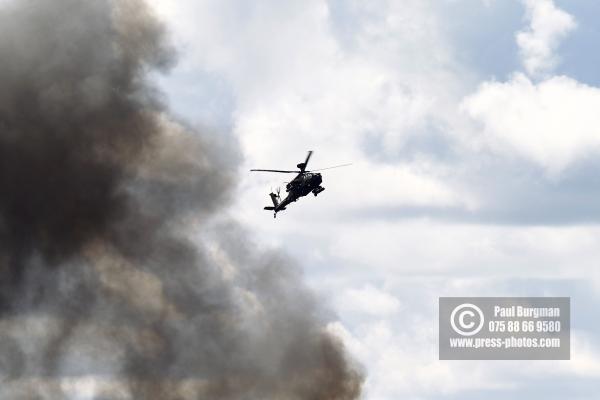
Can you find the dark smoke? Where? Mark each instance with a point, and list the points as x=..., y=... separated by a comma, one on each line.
x=119, y=278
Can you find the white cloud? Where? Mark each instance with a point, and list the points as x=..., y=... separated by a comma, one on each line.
x=584, y=361
x=547, y=26
x=379, y=186
x=401, y=353
x=368, y=300
x=429, y=247
x=554, y=123
x=301, y=82
x=402, y=363
x=298, y=83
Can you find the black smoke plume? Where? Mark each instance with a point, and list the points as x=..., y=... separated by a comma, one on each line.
x=119, y=278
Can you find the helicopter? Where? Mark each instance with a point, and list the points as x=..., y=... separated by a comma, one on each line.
x=304, y=183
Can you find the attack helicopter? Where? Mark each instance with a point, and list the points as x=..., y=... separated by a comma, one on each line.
x=304, y=183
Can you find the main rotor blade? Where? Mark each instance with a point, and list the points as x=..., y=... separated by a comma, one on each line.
x=335, y=166
x=308, y=156
x=276, y=170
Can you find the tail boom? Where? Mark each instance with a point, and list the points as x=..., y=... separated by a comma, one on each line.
x=277, y=204
x=274, y=199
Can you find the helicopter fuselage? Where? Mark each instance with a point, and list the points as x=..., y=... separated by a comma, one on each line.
x=303, y=184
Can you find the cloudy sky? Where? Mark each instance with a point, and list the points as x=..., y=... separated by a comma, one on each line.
x=474, y=133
